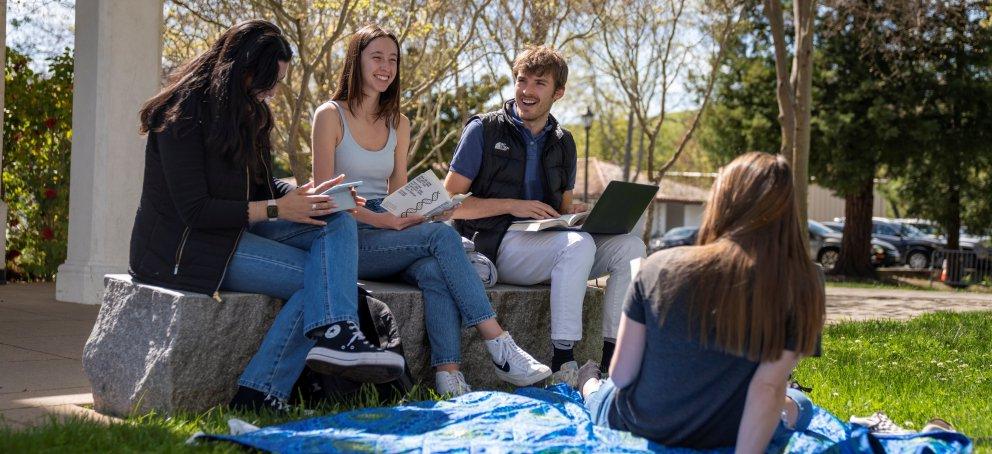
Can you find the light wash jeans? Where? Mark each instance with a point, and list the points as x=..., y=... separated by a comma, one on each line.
x=600, y=401
x=313, y=269
x=430, y=256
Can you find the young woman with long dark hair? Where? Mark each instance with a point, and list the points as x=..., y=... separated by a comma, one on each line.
x=710, y=333
x=361, y=132
x=212, y=218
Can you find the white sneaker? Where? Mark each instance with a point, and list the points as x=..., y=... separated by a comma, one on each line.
x=514, y=365
x=451, y=383
x=568, y=374
x=880, y=423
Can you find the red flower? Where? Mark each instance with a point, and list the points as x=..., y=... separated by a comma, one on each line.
x=47, y=233
x=14, y=222
x=50, y=122
x=50, y=193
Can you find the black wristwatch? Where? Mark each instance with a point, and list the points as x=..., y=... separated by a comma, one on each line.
x=272, y=210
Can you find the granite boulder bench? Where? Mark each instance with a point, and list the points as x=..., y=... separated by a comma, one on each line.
x=156, y=349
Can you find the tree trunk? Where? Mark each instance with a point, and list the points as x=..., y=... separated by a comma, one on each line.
x=802, y=69
x=855, y=250
x=649, y=224
x=628, y=146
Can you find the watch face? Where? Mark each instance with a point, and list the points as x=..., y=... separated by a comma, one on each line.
x=272, y=211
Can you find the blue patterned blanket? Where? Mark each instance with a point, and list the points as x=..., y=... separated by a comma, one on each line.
x=534, y=420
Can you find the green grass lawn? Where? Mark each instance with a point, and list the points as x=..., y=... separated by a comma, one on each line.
x=933, y=366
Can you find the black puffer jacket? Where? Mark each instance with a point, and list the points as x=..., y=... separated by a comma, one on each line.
x=193, y=208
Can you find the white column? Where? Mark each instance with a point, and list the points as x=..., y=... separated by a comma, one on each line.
x=3, y=83
x=118, y=61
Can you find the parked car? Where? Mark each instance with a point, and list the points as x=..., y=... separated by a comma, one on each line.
x=824, y=246
x=915, y=246
x=966, y=238
x=678, y=236
x=835, y=226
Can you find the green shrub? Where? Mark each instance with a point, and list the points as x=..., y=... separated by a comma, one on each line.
x=37, y=138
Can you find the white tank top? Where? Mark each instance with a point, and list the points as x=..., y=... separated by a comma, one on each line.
x=373, y=168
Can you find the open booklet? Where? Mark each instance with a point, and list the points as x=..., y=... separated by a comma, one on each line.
x=423, y=195
x=535, y=225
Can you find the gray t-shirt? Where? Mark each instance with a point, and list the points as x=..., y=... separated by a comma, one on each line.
x=685, y=394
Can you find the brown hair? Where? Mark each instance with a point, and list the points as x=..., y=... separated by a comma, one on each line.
x=761, y=287
x=540, y=60
x=350, y=82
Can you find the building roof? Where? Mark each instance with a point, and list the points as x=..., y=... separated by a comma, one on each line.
x=601, y=173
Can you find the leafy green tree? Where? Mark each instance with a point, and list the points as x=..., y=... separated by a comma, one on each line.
x=948, y=179
x=863, y=102
x=37, y=139
x=744, y=114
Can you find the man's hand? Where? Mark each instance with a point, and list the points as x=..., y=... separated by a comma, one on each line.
x=576, y=208
x=532, y=209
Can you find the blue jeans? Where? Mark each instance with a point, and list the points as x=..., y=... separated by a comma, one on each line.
x=600, y=401
x=430, y=256
x=313, y=269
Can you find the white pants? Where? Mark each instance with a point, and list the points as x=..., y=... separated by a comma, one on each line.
x=568, y=260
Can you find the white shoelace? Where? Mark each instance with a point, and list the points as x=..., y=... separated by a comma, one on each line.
x=512, y=353
x=277, y=403
x=455, y=381
x=356, y=334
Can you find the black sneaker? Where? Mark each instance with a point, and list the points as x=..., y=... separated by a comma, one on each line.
x=251, y=400
x=343, y=351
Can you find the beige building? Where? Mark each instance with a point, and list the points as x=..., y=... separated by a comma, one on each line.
x=679, y=204
x=676, y=204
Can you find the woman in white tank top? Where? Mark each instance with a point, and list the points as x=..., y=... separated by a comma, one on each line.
x=362, y=134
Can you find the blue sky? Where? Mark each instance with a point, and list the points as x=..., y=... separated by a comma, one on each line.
x=40, y=28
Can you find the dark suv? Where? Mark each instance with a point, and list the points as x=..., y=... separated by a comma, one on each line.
x=915, y=246
x=824, y=246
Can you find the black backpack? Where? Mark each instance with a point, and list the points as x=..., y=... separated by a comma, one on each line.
x=380, y=328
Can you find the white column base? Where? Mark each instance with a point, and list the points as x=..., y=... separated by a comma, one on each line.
x=83, y=283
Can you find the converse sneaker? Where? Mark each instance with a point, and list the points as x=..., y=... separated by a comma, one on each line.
x=451, y=383
x=251, y=400
x=514, y=365
x=342, y=350
x=879, y=423
x=568, y=374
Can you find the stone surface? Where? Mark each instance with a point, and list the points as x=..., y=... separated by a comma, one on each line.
x=165, y=350
x=523, y=311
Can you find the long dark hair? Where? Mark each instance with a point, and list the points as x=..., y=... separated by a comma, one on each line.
x=753, y=282
x=242, y=63
x=349, y=89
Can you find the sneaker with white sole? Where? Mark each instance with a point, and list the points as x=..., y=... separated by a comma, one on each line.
x=343, y=351
x=513, y=364
x=568, y=374
x=451, y=383
x=879, y=423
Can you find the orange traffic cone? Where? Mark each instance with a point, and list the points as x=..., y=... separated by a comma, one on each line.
x=943, y=272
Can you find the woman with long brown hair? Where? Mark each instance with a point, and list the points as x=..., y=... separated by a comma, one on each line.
x=710, y=333
x=212, y=218
x=362, y=133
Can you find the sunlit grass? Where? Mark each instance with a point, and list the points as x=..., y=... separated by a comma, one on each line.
x=934, y=366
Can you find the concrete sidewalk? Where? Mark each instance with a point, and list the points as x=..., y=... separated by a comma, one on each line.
x=41, y=341
x=41, y=346
x=844, y=304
